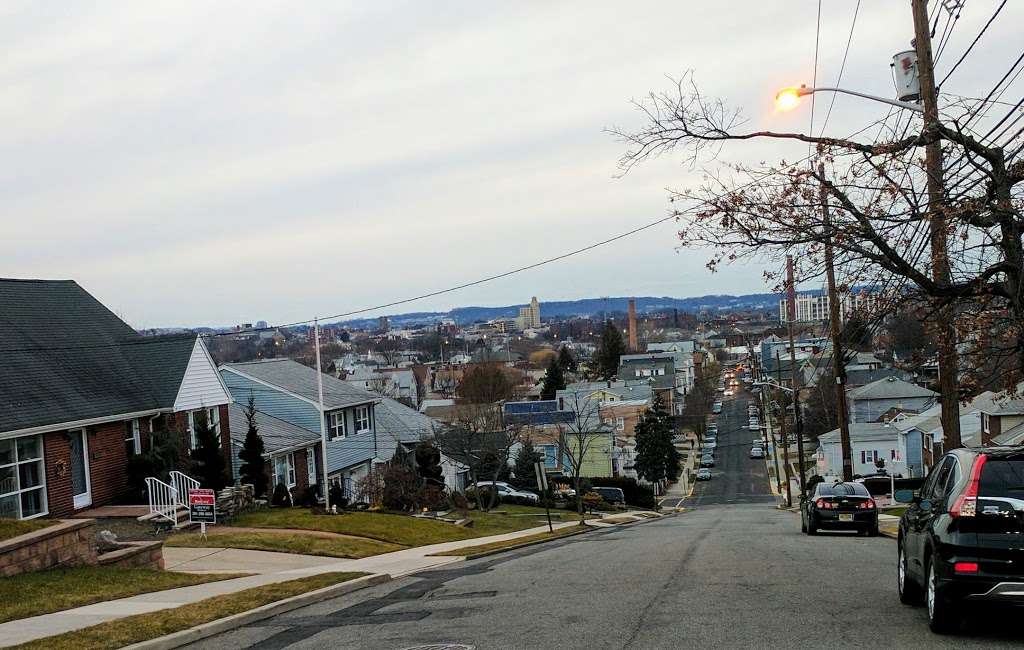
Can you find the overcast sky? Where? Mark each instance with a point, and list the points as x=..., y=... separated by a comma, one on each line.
x=211, y=163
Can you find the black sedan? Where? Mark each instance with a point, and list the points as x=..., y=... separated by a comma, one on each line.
x=840, y=506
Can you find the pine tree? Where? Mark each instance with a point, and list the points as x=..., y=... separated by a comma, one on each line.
x=612, y=347
x=656, y=457
x=207, y=459
x=253, y=469
x=566, y=360
x=554, y=380
x=523, y=469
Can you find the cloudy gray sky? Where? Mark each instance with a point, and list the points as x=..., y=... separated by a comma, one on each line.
x=211, y=163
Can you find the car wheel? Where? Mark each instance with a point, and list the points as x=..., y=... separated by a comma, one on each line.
x=910, y=591
x=812, y=528
x=873, y=530
x=942, y=616
x=803, y=523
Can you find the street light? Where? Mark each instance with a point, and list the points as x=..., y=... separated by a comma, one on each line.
x=789, y=98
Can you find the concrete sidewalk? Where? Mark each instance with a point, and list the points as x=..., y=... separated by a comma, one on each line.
x=268, y=567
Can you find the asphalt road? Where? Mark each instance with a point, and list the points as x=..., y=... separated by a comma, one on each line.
x=732, y=571
x=735, y=478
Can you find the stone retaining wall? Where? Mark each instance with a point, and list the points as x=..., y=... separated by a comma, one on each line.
x=68, y=543
x=73, y=543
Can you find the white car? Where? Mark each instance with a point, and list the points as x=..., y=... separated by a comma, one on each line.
x=506, y=491
x=756, y=452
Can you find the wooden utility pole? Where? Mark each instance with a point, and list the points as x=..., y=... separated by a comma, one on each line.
x=942, y=317
x=783, y=430
x=791, y=317
x=838, y=358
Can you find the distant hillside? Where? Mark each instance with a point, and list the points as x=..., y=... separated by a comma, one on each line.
x=590, y=307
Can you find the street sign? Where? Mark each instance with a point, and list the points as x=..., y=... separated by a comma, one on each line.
x=202, y=506
x=542, y=477
x=542, y=485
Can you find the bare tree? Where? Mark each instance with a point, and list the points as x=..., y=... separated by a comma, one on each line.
x=577, y=439
x=478, y=439
x=390, y=348
x=878, y=207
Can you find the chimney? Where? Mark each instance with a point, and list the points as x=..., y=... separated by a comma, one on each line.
x=632, y=326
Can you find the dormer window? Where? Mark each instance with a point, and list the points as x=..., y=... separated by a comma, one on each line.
x=362, y=419
x=336, y=424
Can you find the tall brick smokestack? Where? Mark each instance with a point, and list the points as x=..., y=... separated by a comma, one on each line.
x=632, y=326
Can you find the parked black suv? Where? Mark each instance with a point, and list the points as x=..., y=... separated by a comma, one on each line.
x=961, y=539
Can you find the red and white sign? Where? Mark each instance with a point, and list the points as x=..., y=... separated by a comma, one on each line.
x=202, y=497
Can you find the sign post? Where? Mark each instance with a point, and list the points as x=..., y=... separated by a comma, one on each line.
x=202, y=508
x=542, y=485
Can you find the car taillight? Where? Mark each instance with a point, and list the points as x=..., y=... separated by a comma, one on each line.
x=867, y=505
x=965, y=567
x=825, y=505
x=966, y=504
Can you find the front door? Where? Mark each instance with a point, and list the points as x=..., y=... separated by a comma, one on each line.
x=80, y=486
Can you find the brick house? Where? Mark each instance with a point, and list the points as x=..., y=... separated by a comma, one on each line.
x=81, y=392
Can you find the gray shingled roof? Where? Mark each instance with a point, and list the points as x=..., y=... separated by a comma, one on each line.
x=276, y=433
x=891, y=388
x=296, y=378
x=69, y=358
x=862, y=432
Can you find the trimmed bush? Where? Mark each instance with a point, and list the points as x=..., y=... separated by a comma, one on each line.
x=636, y=495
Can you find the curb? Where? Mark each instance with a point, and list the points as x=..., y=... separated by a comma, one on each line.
x=536, y=542
x=206, y=630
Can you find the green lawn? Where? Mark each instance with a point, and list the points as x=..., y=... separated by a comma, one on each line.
x=394, y=528
x=142, y=627
x=14, y=527
x=494, y=546
x=43, y=592
x=284, y=542
x=895, y=511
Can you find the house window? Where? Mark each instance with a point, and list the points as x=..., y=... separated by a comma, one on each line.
x=620, y=424
x=212, y=421
x=132, y=443
x=894, y=455
x=986, y=423
x=22, y=478
x=362, y=419
x=869, y=456
x=336, y=422
x=311, y=465
x=284, y=470
x=550, y=455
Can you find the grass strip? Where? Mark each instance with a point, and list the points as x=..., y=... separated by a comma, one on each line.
x=16, y=527
x=495, y=546
x=392, y=528
x=45, y=592
x=282, y=542
x=142, y=627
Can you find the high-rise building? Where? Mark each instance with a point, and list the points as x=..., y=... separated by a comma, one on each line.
x=529, y=316
x=811, y=308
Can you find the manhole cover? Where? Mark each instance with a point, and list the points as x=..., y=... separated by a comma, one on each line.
x=442, y=646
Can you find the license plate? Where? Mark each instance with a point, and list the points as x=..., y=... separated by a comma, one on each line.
x=845, y=517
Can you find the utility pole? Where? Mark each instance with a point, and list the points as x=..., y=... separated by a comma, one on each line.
x=785, y=434
x=791, y=317
x=320, y=409
x=838, y=357
x=943, y=318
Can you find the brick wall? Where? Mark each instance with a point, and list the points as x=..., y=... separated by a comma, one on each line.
x=69, y=543
x=57, y=455
x=107, y=459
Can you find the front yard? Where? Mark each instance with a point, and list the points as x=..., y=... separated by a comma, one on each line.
x=44, y=592
x=16, y=527
x=358, y=534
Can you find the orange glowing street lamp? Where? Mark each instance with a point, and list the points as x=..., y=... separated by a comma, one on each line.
x=789, y=98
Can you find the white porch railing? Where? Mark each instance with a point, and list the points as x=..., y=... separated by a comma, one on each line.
x=182, y=483
x=163, y=499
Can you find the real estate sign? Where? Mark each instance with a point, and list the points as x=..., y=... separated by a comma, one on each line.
x=202, y=506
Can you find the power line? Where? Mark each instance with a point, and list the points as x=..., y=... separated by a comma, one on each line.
x=842, y=68
x=973, y=43
x=814, y=81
